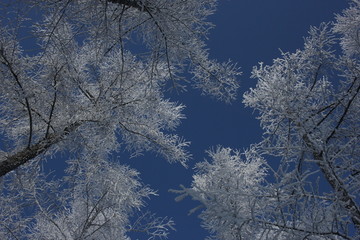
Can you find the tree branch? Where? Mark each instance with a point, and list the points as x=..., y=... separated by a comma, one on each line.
x=7, y=63
x=337, y=185
x=132, y=3
x=345, y=113
x=12, y=162
x=53, y=103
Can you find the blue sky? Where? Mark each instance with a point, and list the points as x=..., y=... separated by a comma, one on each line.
x=247, y=32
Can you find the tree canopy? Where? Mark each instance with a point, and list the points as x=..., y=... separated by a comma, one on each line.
x=83, y=80
x=80, y=78
x=308, y=104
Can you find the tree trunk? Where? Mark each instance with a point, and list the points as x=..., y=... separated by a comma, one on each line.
x=12, y=162
x=336, y=183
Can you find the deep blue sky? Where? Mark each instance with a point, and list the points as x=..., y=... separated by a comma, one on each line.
x=247, y=32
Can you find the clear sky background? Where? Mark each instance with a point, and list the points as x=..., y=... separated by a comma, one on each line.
x=247, y=32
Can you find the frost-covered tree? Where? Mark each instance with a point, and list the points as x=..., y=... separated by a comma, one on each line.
x=80, y=78
x=94, y=201
x=242, y=197
x=99, y=69
x=309, y=107
x=228, y=187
